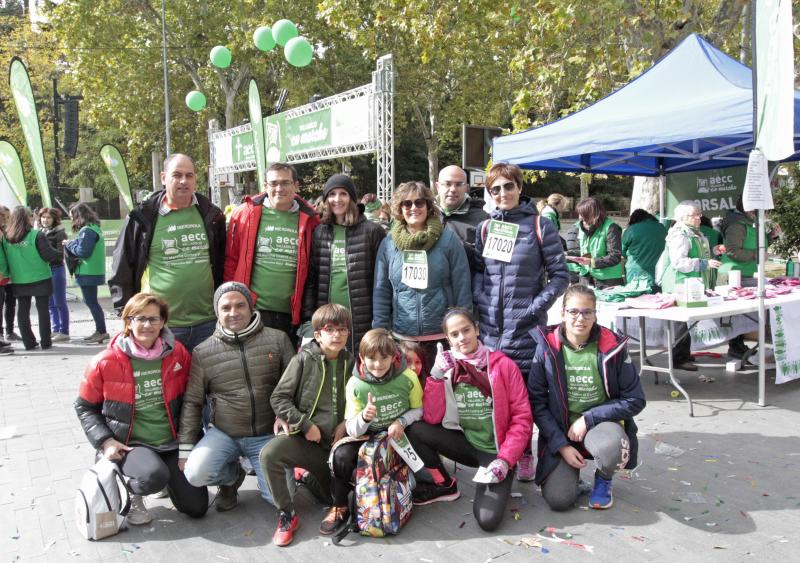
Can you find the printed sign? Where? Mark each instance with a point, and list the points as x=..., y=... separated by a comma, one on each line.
x=786, y=342
x=715, y=191
x=500, y=240
x=415, y=269
x=405, y=450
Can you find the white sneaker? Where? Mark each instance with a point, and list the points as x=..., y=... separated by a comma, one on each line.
x=138, y=514
x=60, y=337
x=163, y=493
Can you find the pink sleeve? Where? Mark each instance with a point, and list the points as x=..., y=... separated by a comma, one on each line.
x=520, y=425
x=433, y=401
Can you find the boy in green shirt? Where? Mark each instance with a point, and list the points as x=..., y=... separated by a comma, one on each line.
x=310, y=398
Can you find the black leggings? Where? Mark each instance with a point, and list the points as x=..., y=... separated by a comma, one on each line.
x=345, y=459
x=490, y=500
x=24, y=320
x=8, y=306
x=149, y=471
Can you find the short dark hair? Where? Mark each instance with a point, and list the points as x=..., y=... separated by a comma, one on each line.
x=137, y=304
x=640, y=215
x=330, y=313
x=458, y=312
x=506, y=169
x=279, y=166
x=54, y=213
x=377, y=341
x=82, y=215
x=405, y=191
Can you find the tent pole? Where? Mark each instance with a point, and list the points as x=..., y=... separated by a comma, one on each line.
x=662, y=196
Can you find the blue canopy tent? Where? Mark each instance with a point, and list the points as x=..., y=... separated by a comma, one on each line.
x=692, y=110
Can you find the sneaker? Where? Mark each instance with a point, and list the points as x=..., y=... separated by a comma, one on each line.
x=3, y=343
x=138, y=515
x=33, y=346
x=300, y=475
x=96, y=338
x=584, y=487
x=427, y=493
x=526, y=469
x=6, y=351
x=228, y=495
x=738, y=353
x=284, y=533
x=60, y=337
x=13, y=337
x=337, y=515
x=601, y=497
x=685, y=366
x=163, y=493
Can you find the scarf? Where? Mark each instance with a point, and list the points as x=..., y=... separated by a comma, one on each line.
x=255, y=321
x=423, y=240
x=472, y=369
x=142, y=353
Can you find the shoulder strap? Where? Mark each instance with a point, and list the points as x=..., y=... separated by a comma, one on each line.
x=538, y=228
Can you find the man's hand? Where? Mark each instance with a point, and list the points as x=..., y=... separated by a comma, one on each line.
x=182, y=463
x=572, y=456
x=578, y=430
x=339, y=432
x=280, y=427
x=313, y=434
x=114, y=450
x=370, y=411
x=396, y=430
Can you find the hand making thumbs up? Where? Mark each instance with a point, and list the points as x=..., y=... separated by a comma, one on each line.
x=370, y=410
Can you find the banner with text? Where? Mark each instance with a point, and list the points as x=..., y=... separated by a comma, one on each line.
x=11, y=172
x=20, y=85
x=715, y=190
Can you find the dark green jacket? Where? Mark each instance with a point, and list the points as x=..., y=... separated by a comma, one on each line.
x=298, y=392
x=642, y=245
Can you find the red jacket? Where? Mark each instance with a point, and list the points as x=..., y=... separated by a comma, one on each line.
x=107, y=393
x=241, y=243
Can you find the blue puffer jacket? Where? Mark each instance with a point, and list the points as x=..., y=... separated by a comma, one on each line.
x=419, y=312
x=512, y=298
x=547, y=391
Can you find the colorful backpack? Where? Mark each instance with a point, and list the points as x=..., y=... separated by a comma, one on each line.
x=383, y=489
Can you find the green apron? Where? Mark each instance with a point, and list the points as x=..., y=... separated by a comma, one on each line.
x=747, y=268
x=595, y=245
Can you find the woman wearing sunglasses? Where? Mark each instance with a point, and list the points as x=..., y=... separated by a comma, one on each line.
x=584, y=393
x=522, y=272
x=421, y=271
x=129, y=404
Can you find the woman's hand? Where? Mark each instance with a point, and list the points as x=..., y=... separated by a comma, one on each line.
x=577, y=430
x=714, y=264
x=719, y=249
x=114, y=450
x=396, y=430
x=572, y=456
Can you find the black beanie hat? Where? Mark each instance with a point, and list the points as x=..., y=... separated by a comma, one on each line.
x=339, y=181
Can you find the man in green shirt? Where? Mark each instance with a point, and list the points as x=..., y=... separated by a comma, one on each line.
x=269, y=242
x=173, y=245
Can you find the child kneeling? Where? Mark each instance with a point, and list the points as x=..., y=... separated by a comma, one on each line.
x=383, y=394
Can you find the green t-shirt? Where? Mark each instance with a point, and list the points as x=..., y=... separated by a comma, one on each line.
x=475, y=417
x=584, y=383
x=275, y=264
x=150, y=421
x=392, y=399
x=179, y=267
x=339, y=292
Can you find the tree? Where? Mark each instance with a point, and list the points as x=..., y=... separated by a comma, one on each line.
x=450, y=67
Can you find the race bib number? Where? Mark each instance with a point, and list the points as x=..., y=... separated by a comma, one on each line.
x=415, y=269
x=405, y=450
x=500, y=241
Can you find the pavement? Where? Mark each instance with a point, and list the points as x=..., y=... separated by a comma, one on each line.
x=721, y=486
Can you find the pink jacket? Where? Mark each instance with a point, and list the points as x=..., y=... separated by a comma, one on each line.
x=512, y=418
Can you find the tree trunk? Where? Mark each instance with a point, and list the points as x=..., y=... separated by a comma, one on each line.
x=645, y=194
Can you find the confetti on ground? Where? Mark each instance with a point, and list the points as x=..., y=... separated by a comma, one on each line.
x=695, y=498
x=248, y=533
x=529, y=542
x=462, y=524
x=497, y=557
x=705, y=379
x=687, y=483
x=639, y=538
x=551, y=534
x=711, y=524
x=720, y=547
x=517, y=516
x=743, y=513
x=223, y=558
x=516, y=495
x=663, y=448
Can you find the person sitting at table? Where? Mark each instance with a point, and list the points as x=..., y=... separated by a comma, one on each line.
x=600, y=239
x=687, y=255
x=584, y=392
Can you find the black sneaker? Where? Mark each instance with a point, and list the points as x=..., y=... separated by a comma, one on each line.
x=427, y=493
x=6, y=351
x=13, y=337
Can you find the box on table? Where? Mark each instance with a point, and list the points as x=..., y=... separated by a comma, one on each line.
x=691, y=293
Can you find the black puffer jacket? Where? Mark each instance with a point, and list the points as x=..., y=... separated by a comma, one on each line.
x=463, y=222
x=362, y=242
x=132, y=250
x=55, y=237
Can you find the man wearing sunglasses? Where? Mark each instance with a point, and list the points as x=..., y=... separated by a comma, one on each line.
x=268, y=248
x=460, y=212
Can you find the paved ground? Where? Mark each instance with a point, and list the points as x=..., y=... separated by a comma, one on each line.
x=731, y=496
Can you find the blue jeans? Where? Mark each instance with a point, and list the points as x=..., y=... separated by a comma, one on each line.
x=215, y=460
x=59, y=312
x=191, y=336
x=89, y=293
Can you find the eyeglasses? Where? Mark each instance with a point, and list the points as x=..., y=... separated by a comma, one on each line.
x=281, y=184
x=507, y=187
x=587, y=314
x=418, y=203
x=152, y=321
x=451, y=184
x=331, y=330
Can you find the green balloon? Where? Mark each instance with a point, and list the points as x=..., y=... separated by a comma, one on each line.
x=195, y=100
x=220, y=56
x=263, y=38
x=283, y=31
x=298, y=52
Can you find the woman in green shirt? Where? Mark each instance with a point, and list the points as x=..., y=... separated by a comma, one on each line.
x=600, y=239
